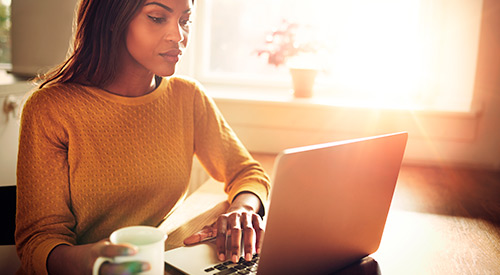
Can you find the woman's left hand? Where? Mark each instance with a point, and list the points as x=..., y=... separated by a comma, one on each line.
x=240, y=221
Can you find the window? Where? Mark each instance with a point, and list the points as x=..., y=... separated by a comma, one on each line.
x=4, y=32
x=414, y=54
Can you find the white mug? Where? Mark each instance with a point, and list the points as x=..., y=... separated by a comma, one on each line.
x=150, y=242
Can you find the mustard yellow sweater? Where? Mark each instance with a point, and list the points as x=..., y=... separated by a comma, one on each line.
x=91, y=162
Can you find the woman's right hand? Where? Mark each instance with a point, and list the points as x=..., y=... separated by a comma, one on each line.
x=80, y=259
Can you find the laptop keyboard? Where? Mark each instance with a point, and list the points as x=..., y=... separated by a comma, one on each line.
x=228, y=267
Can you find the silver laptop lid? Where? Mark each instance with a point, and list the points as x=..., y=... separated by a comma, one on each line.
x=329, y=204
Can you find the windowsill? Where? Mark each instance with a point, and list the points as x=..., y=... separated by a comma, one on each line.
x=283, y=97
x=7, y=78
x=13, y=85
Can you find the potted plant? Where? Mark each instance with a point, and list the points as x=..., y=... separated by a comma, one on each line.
x=292, y=44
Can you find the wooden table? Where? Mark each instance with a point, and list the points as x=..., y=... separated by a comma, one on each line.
x=442, y=221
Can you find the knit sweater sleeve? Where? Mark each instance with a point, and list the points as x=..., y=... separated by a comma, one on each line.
x=222, y=153
x=44, y=219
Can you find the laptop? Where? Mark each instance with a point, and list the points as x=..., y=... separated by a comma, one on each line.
x=328, y=207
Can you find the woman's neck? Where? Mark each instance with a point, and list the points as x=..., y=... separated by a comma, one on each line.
x=132, y=86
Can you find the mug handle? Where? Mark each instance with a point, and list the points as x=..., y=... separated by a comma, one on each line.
x=97, y=264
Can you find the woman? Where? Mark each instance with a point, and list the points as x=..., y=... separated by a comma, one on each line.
x=108, y=139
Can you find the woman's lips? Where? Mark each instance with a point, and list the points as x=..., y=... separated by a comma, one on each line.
x=172, y=55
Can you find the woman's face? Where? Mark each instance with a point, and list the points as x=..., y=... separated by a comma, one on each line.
x=157, y=36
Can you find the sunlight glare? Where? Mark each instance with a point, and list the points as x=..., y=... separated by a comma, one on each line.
x=376, y=48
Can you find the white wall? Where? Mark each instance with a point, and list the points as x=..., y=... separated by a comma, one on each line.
x=9, y=131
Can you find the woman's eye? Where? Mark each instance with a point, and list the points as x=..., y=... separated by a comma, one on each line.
x=186, y=23
x=157, y=20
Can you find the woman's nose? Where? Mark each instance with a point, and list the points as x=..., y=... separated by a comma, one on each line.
x=175, y=33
